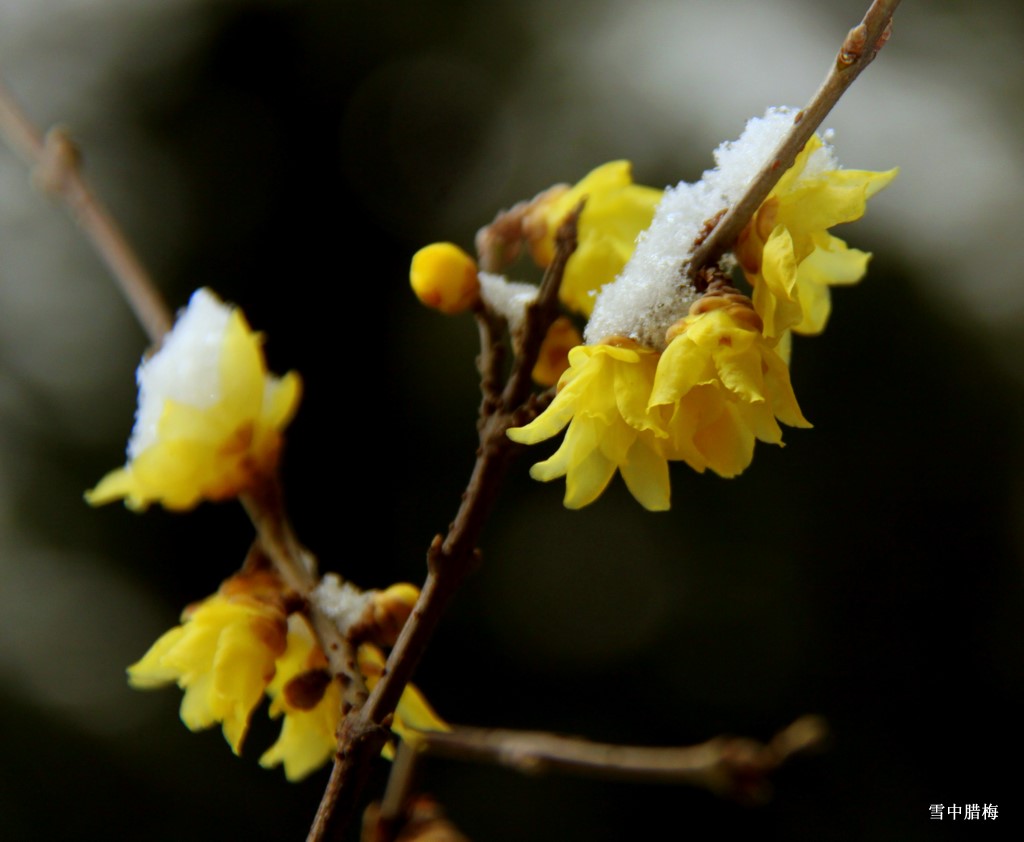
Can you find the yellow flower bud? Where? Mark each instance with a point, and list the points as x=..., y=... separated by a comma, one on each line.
x=553, y=358
x=444, y=277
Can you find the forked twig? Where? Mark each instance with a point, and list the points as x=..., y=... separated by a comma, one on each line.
x=449, y=560
x=732, y=767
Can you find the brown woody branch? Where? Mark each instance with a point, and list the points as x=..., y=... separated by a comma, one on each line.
x=858, y=50
x=736, y=767
x=56, y=166
x=732, y=767
x=451, y=558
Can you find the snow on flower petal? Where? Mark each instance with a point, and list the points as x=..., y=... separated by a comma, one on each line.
x=210, y=417
x=603, y=400
x=616, y=211
x=222, y=655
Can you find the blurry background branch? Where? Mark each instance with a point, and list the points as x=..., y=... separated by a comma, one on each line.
x=56, y=168
x=733, y=767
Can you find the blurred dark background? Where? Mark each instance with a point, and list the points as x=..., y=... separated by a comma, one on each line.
x=292, y=156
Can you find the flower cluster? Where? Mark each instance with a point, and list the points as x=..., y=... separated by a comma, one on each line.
x=717, y=387
x=678, y=370
x=245, y=642
x=210, y=417
x=677, y=373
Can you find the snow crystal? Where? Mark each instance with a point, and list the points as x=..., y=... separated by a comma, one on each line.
x=186, y=369
x=342, y=602
x=650, y=294
x=509, y=299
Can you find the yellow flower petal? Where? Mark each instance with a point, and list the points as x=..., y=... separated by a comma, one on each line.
x=724, y=385
x=309, y=702
x=308, y=736
x=615, y=213
x=786, y=251
x=603, y=400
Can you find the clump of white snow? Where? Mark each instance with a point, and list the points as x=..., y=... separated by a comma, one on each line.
x=342, y=602
x=650, y=294
x=186, y=369
x=509, y=299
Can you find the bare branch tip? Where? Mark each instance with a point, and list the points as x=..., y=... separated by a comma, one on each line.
x=61, y=158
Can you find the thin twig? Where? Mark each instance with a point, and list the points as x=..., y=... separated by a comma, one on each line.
x=859, y=48
x=399, y=790
x=56, y=165
x=297, y=568
x=543, y=311
x=449, y=560
x=732, y=766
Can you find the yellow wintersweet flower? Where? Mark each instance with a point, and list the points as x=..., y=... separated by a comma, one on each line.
x=302, y=691
x=724, y=385
x=210, y=417
x=603, y=398
x=222, y=655
x=786, y=251
x=444, y=277
x=310, y=702
x=617, y=210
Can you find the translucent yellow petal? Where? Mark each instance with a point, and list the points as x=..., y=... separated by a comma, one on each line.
x=726, y=443
x=281, y=400
x=590, y=470
x=414, y=713
x=242, y=371
x=222, y=655
x=645, y=473
x=682, y=366
x=308, y=738
x=196, y=710
x=780, y=392
x=117, y=484
x=151, y=670
x=740, y=373
x=776, y=297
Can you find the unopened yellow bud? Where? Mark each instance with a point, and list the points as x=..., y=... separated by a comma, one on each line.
x=553, y=358
x=444, y=277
